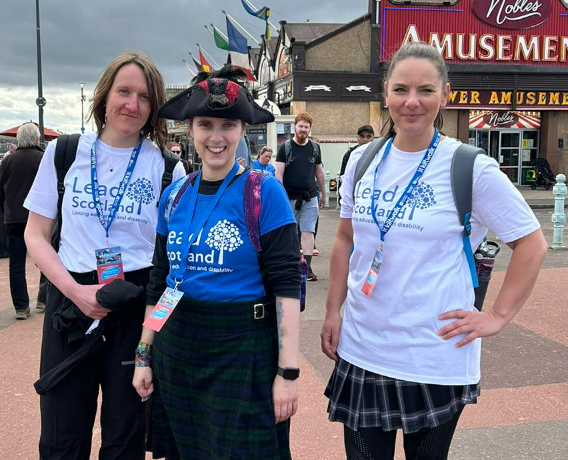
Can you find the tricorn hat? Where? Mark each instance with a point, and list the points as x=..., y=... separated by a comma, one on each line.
x=216, y=95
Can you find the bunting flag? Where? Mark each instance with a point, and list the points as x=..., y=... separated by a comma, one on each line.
x=220, y=40
x=263, y=13
x=204, y=64
x=238, y=49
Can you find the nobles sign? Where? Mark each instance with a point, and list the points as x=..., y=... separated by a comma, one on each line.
x=512, y=14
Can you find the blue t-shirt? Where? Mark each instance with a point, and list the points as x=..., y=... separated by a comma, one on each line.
x=268, y=168
x=222, y=263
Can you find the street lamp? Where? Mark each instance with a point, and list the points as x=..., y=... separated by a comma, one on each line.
x=40, y=101
x=82, y=112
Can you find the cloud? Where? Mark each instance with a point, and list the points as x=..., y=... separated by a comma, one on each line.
x=79, y=39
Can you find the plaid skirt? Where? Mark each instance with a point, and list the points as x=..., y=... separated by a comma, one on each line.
x=214, y=365
x=363, y=399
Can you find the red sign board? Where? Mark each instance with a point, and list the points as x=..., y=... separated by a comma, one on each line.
x=501, y=99
x=512, y=14
x=487, y=119
x=522, y=32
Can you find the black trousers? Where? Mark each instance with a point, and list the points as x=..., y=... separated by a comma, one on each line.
x=17, y=265
x=68, y=410
x=376, y=444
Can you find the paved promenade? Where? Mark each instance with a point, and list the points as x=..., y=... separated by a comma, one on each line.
x=523, y=408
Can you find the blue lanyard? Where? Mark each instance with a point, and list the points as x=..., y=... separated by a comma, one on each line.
x=409, y=189
x=194, y=230
x=121, y=188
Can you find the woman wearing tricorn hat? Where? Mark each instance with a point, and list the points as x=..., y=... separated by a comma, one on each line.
x=223, y=366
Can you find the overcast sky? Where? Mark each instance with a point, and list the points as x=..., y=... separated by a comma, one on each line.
x=80, y=37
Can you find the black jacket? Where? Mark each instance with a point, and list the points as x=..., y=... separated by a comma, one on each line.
x=17, y=173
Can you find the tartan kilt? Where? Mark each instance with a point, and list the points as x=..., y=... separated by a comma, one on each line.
x=363, y=399
x=214, y=366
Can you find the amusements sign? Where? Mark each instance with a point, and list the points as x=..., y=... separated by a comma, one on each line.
x=503, y=99
x=524, y=32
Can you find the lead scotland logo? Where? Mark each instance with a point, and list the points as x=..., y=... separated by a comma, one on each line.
x=224, y=236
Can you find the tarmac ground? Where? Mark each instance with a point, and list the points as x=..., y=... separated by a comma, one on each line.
x=522, y=412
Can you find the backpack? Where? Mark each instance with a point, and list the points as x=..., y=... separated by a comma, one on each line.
x=65, y=153
x=252, y=206
x=461, y=173
x=288, y=150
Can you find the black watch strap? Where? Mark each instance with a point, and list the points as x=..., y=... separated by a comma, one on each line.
x=289, y=373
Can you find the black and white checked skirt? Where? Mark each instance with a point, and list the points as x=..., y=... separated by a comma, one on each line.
x=363, y=399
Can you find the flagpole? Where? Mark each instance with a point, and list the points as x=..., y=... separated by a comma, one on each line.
x=210, y=31
x=218, y=31
x=209, y=56
x=242, y=28
x=255, y=8
x=191, y=72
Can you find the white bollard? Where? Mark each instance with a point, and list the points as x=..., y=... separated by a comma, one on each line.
x=327, y=179
x=559, y=216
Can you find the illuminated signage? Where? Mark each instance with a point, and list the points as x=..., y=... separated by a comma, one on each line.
x=512, y=14
x=524, y=32
x=504, y=99
x=488, y=119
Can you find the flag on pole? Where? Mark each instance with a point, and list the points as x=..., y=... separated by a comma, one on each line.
x=204, y=64
x=263, y=13
x=238, y=49
x=197, y=64
x=220, y=40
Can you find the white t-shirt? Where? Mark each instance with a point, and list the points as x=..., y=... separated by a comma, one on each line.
x=134, y=227
x=393, y=332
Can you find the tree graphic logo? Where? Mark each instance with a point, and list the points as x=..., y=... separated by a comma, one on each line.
x=141, y=191
x=422, y=198
x=224, y=236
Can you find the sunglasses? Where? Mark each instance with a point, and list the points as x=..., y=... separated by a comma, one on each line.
x=176, y=151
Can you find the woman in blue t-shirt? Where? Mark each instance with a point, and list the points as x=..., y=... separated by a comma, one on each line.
x=223, y=366
x=262, y=163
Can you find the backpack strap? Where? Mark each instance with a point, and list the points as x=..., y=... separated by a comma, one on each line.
x=366, y=159
x=253, y=205
x=288, y=151
x=177, y=193
x=170, y=162
x=65, y=153
x=462, y=189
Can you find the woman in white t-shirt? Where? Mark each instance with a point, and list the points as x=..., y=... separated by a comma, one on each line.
x=109, y=206
x=407, y=351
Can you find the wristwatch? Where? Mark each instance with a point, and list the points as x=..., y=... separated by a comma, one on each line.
x=289, y=373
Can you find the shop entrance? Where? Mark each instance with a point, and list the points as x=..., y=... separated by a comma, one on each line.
x=514, y=149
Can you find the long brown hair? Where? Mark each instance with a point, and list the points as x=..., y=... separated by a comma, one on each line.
x=418, y=50
x=155, y=128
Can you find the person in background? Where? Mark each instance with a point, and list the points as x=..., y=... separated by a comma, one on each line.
x=365, y=134
x=17, y=173
x=223, y=367
x=407, y=350
x=109, y=206
x=175, y=147
x=262, y=163
x=299, y=166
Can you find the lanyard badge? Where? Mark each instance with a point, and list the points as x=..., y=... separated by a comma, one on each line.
x=109, y=264
x=373, y=274
x=163, y=309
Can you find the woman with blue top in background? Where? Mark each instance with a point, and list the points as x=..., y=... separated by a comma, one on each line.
x=407, y=349
x=262, y=163
x=224, y=364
